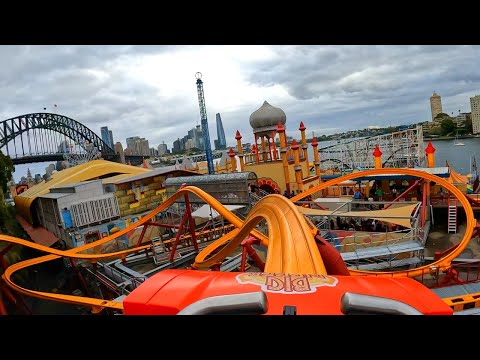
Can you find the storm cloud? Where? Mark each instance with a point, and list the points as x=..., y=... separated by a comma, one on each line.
x=150, y=91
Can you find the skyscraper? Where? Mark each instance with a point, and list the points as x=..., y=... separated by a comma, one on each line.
x=110, y=137
x=475, y=105
x=107, y=136
x=162, y=149
x=435, y=105
x=221, y=142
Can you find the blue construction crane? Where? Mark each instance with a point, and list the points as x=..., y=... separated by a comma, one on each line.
x=203, y=116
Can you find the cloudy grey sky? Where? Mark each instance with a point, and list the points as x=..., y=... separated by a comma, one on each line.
x=150, y=91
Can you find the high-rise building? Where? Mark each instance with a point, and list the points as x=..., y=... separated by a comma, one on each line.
x=176, y=146
x=110, y=137
x=475, y=105
x=106, y=136
x=131, y=141
x=153, y=152
x=162, y=149
x=221, y=142
x=435, y=105
x=142, y=147
x=137, y=146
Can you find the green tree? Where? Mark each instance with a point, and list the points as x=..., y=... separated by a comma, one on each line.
x=441, y=116
x=448, y=126
x=6, y=171
x=435, y=130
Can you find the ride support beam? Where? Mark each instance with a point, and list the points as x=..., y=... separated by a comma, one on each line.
x=3, y=309
x=250, y=251
x=19, y=303
x=80, y=276
x=142, y=234
x=403, y=193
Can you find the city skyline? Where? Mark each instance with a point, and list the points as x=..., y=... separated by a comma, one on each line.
x=150, y=92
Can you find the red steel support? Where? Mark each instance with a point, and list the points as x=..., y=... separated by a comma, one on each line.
x=140, y=239
x=248, y=249
x=7, y=249
x=20, y=303
x=80, y=276
x=403, y=193
x=187, y=214
x=188, y=210
x=177, y=238
x=243, y=264
x=3, y=310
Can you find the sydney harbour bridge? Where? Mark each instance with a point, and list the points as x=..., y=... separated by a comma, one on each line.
x=40, y=137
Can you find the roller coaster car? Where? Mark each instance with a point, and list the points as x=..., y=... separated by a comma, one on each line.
x=193, y=292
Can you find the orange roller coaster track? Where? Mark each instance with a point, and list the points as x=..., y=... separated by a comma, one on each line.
x=440, y=264
x=284, y=254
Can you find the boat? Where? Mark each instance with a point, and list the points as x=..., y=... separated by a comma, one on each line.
x=456, y=142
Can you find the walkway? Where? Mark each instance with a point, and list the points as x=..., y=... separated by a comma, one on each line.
x=39, y=234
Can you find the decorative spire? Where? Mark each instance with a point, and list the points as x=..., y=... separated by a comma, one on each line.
x=294, y=145
x=377, y=152
x=238, y=136
x=302, y=127
x=280, y=128
x=429, y=149
x=231, y=153
x=314, y=142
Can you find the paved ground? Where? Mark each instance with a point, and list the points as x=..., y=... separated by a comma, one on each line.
x=439, y=240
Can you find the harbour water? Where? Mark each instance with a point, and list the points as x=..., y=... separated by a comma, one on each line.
x=459, y=157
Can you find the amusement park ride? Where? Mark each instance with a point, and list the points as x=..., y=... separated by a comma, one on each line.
x=302, y=272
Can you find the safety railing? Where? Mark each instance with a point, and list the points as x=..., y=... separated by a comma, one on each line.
x=357, y=244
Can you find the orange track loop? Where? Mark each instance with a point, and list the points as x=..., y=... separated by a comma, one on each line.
x=97, y=304
x=443, y=263
x=291, y=247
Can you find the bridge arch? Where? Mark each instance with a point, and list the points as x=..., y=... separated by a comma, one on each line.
x=13, y=127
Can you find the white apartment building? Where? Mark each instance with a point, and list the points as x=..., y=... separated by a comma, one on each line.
x=475, y=105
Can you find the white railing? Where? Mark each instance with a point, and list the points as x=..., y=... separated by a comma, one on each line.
x=410, y=235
